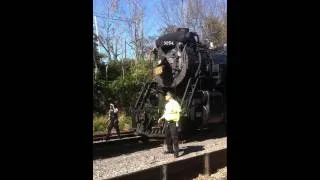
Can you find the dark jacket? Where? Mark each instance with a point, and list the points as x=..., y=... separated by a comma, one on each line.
x=113, y=114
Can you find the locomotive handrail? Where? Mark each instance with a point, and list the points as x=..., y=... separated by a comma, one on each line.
x=141, y=92
x=185, y=92
x=193, y=90
x=199, y=66
x=145, y=94
x=195, y=85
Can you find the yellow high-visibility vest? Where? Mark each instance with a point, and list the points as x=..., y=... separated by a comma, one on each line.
x=172, y=111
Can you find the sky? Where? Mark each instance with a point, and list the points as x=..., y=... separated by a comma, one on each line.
x=151, y=23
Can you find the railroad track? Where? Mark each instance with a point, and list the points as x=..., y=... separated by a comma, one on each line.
x=113, y=136
x=132, y=143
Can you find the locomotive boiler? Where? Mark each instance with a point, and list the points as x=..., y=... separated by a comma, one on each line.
x=194, y=73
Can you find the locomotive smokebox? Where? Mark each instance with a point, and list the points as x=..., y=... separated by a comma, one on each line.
x=176, y=54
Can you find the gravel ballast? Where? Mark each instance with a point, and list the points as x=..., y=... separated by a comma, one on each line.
x=144, y=159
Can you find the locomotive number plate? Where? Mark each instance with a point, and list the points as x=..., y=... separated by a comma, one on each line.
x=158, y=70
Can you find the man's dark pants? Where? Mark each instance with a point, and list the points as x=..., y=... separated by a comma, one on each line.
x=113, y=124
x=171, y=139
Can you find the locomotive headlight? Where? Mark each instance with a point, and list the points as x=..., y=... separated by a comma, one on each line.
x=159, y=62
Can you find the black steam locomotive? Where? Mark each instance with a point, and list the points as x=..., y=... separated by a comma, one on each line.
x=194, y=73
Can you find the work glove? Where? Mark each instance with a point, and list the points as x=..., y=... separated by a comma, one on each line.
x=178, y=127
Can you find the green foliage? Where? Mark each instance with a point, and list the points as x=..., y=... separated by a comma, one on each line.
x=99, y=96
x=125, y=121
x=102, y=71
x=122, y=91
x=99, y=123
x=114, y=70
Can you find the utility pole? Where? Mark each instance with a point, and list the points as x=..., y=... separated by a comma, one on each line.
x=97, y=47
x=96, y=31
x=125, y=56
x=141, y=41
x=107, y=71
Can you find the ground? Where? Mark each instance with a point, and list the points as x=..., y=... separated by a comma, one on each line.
x=146, y=158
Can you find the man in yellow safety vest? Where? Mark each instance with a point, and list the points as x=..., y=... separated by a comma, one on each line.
x=171, y=116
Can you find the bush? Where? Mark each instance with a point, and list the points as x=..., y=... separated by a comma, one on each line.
x=125, y=122
x=100, y=122
x=124, y=91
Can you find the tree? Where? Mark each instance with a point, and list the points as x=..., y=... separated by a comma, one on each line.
x=111, y=31
x=215, y=30
x=191, y=14
x=135, y=26
x=147, y=45
x=124, y=91
x=97, y=58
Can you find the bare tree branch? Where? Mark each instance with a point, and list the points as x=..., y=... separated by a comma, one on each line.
x=191, y=13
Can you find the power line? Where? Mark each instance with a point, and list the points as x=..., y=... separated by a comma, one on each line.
x=115, y=19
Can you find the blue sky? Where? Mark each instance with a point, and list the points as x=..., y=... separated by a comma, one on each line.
x=151, y=23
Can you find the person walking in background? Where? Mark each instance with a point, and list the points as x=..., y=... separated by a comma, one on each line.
x=114, y=122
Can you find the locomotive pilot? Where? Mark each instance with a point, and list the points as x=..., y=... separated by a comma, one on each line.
x=171, y=116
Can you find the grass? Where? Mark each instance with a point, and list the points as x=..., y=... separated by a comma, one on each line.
x=125, y=122
x=100, y=123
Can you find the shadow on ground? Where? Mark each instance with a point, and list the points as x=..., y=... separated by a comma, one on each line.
x=213, y=132
x=190, y=149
